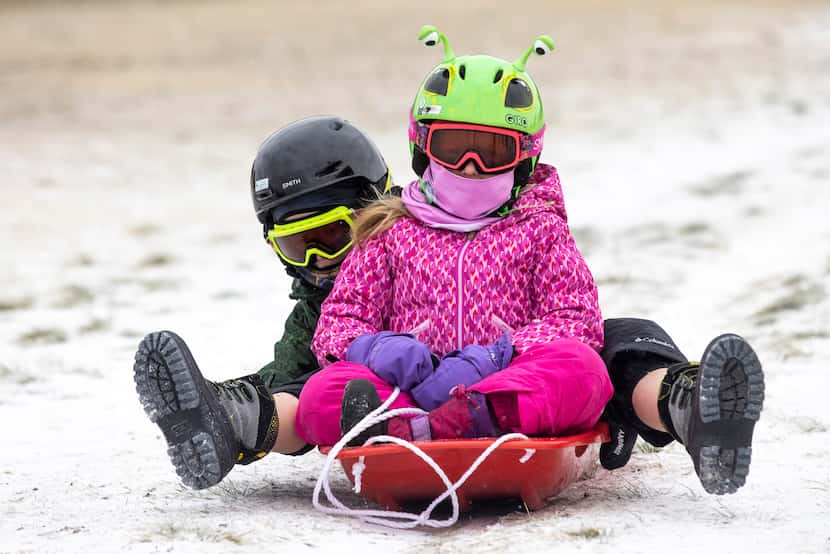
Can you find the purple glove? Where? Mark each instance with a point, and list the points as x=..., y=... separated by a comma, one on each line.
x=398, y=358
x=462, y=367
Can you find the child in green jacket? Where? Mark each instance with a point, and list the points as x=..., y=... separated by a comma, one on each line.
x=306, y=181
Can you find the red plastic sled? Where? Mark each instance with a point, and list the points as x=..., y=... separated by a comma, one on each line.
x=394, y=476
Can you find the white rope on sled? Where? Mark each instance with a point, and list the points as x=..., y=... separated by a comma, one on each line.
x=389, y=518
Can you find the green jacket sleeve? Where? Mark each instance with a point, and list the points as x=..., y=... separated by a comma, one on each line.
x=292, y=353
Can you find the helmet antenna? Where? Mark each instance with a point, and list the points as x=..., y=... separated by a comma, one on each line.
x=430, y=36
x=541, y=46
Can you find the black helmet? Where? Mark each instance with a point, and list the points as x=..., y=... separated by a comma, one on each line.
x=324, y=155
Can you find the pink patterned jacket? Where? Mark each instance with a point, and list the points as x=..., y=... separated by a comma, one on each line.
x=523, y=273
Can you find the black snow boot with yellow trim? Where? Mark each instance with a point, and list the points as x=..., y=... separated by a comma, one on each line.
x=712, y=406
x=208, y=426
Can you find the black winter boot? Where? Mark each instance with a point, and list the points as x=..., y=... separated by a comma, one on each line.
x=712, y=407
x=360, y=398
x=208, y=426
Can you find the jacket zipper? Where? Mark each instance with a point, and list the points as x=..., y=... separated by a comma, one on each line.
x=460, y=299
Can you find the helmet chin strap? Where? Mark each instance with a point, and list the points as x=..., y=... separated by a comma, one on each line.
x=320, y=278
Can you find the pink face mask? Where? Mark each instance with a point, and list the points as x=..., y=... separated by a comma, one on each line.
x=464, y=197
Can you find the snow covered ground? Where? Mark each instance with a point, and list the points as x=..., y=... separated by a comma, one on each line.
x=693, y=140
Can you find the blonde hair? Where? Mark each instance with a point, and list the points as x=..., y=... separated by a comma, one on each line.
x=377, y=217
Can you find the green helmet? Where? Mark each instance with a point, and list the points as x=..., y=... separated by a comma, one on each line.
x=482, y=90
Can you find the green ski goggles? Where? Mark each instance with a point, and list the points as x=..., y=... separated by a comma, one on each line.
x=328, y=235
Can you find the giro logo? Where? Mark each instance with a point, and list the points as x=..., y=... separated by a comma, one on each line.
x=514, y=119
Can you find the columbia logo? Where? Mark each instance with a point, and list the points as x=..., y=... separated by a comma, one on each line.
x=655, y=341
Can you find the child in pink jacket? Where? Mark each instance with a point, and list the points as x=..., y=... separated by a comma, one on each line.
x=468, y=293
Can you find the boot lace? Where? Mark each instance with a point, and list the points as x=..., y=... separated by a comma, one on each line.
x=684, y=386
x=234, y=390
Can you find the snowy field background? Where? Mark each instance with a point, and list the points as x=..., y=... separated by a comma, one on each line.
x=693, y=141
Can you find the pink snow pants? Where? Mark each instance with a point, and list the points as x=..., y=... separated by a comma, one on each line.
x=560, y=388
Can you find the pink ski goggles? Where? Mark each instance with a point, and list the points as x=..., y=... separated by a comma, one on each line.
x=493, y=149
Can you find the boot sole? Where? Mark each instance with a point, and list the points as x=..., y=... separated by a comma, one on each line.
x=176, y=397
x=731, y=399
x=359, y=398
